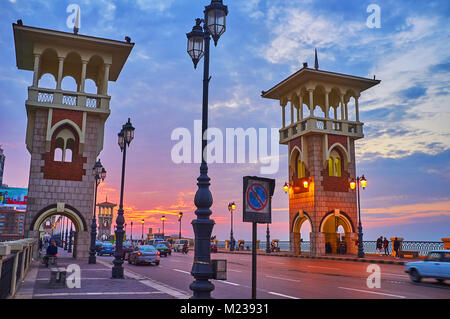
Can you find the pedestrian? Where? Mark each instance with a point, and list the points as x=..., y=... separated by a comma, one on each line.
x=379, y=244
x=386, y=246
x=396, y=247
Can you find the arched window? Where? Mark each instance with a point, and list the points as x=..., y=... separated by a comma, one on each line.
x=334, y=164
x=68, y=152
x=59, y=150
x=300, y=168
x=64, y=146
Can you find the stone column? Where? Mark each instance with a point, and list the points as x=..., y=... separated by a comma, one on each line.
x=327, y=105
x=283, y=114
x=300, y=98
x=83, y=75
x=292, y=112
x=36, y=70
x=106, y=79
x=357, y=108
x=342, y=107
x=311, y=101
x=60, y=72
x=82, y=244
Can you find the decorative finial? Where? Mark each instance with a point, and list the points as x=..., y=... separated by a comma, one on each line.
x=316, y=60
x=76, y=27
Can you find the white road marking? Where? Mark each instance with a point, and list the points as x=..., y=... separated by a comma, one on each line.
x=183, y=271
x=280, y=278
x=234, y=270
x=384, y=273
x=373, y=292
x=281, y=295
x=323, y=267
x=228, y=282
x=276, y=262
x=42, y=279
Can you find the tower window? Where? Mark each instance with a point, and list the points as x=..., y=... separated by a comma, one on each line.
x=64, y=146
x=334, y=164
x=300, y=169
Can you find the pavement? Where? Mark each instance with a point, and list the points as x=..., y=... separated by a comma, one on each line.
x=369, y=258
x=95, y=283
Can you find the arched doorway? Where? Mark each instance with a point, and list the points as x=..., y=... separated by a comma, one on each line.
x=337, y=229
x=53, y=214
x=300, y=233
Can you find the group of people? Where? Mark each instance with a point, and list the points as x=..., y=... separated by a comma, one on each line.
x=383, y=246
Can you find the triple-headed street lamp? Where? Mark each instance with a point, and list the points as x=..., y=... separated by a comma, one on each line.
x=125, y=136
x=355, y=184
x=180, y=216
x=231, y=208
x=99, y=173
x=198, y=46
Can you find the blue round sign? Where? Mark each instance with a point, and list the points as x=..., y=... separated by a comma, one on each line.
x=257, y=197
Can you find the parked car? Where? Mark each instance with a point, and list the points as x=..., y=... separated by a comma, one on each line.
x=178, y=246
x=106, y=249
x=144, y=254
x=436, y=265
x=127, y=248
x=163, y=249
x=213, y=247
x=98, y=244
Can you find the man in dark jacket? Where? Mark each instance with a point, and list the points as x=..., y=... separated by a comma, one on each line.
x=52, y=251
x=396, y=247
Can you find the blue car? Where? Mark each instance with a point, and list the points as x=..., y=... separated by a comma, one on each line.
x=106, y=249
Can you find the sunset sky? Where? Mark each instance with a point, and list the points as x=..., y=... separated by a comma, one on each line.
x=405, y=154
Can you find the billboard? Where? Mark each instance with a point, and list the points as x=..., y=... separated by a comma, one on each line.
x=14, y=197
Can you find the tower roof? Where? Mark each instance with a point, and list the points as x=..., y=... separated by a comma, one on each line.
x=306, y=74
x=106, y=204
x=26, y=36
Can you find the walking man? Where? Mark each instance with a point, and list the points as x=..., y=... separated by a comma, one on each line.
x=379, y=244
x=386, y=246
x=396, y=247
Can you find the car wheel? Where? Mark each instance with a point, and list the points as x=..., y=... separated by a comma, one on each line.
x=414, y=275
x=157, y=263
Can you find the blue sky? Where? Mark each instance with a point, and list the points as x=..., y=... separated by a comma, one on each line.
x=405, y=153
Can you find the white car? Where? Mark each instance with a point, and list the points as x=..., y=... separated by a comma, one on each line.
x=178, y=246
x=436, y=265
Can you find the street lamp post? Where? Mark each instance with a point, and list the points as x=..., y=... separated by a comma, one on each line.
x=163, y=218
x=66, y=234
x=198, y=46
x=180, y=216
x=125, y=136
x=69, y=250
x=231, y=208
x=355, y=184
x=268, y=250
x=99, y=173
x=142, y=235
x=131, y=234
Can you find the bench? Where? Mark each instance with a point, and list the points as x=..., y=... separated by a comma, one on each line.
x=408, y=254
x=57, y=277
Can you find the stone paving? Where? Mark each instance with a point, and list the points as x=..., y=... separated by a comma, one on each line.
x=96, y=283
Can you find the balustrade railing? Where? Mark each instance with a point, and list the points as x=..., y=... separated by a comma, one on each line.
x=92, y=102
x=69, y=100
x=75, y=99
x=45, y=97
x=321, y=125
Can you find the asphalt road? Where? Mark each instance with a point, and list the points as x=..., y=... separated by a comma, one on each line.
x=292, y=278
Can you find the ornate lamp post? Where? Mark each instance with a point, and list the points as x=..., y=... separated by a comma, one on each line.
x=131, y=234
x=180, y=216
x=126, y=135
x=355, y=184
x=99, y=173
x=198, y=46
x=69, y=250
x=142, y=235
x=231, y=208
x=163, y=218
x=286, y=187
x=268, y=250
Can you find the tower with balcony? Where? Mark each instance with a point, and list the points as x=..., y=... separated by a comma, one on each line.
x=320, y=133
x=65, y=129
x=105, y=219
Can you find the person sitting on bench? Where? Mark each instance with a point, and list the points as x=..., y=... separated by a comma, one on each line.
x=52, y=251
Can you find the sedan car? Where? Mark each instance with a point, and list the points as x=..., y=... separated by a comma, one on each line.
x=106, y=249
x=144, y=254
x=163, y=249
x=436, y=265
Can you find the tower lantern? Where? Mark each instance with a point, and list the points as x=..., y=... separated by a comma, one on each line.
x=320, y=133
x=65, y=128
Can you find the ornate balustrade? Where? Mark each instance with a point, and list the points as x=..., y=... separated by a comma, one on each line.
x=52, y=97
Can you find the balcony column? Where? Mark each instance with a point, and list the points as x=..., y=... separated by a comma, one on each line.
x=37, y=58
x=300, y=100
x=292, y=112
x=346, y=111
x=342, y=107
x=327, y=104
x=283, y=113
x=106, y=79
x=311, y=102
x=357, y=108
x=83, y=75
x=60, y=73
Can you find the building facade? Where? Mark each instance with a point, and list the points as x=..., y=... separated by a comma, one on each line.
x=65, y=127
x=12, y=224
x=320, y=134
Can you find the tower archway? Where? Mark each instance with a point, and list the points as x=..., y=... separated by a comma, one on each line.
x=301, y=228
x=337, y=229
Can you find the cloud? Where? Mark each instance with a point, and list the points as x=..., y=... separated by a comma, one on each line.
x=154, y=5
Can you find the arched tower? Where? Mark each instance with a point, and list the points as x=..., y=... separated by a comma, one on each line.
x=105, y=219
x=65, y=124
x=321, y=133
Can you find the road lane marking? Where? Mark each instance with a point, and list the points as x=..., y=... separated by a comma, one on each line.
x=373, y=292
x=235, y=270
x=281, y=295
x=228, y=282
x=280, y=278
x=58, y=294
x=324, y=267
x=42, y=279
x=276, y=262
x=183, y=271
x=384, y=273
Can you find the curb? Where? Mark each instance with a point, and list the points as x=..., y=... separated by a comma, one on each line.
x=364, y=260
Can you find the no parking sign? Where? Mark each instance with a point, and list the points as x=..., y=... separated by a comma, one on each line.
x=258, y=193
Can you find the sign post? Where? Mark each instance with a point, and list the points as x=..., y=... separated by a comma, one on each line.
x=257, y=193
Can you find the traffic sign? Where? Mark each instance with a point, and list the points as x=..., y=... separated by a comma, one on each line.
x=257, y=194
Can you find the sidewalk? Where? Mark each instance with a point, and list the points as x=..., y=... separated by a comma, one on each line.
x=369, y=258
x=96, y=282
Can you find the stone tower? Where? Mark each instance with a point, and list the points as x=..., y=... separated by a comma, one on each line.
x=65, y=128
x=321, y=133
x=105, y=220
